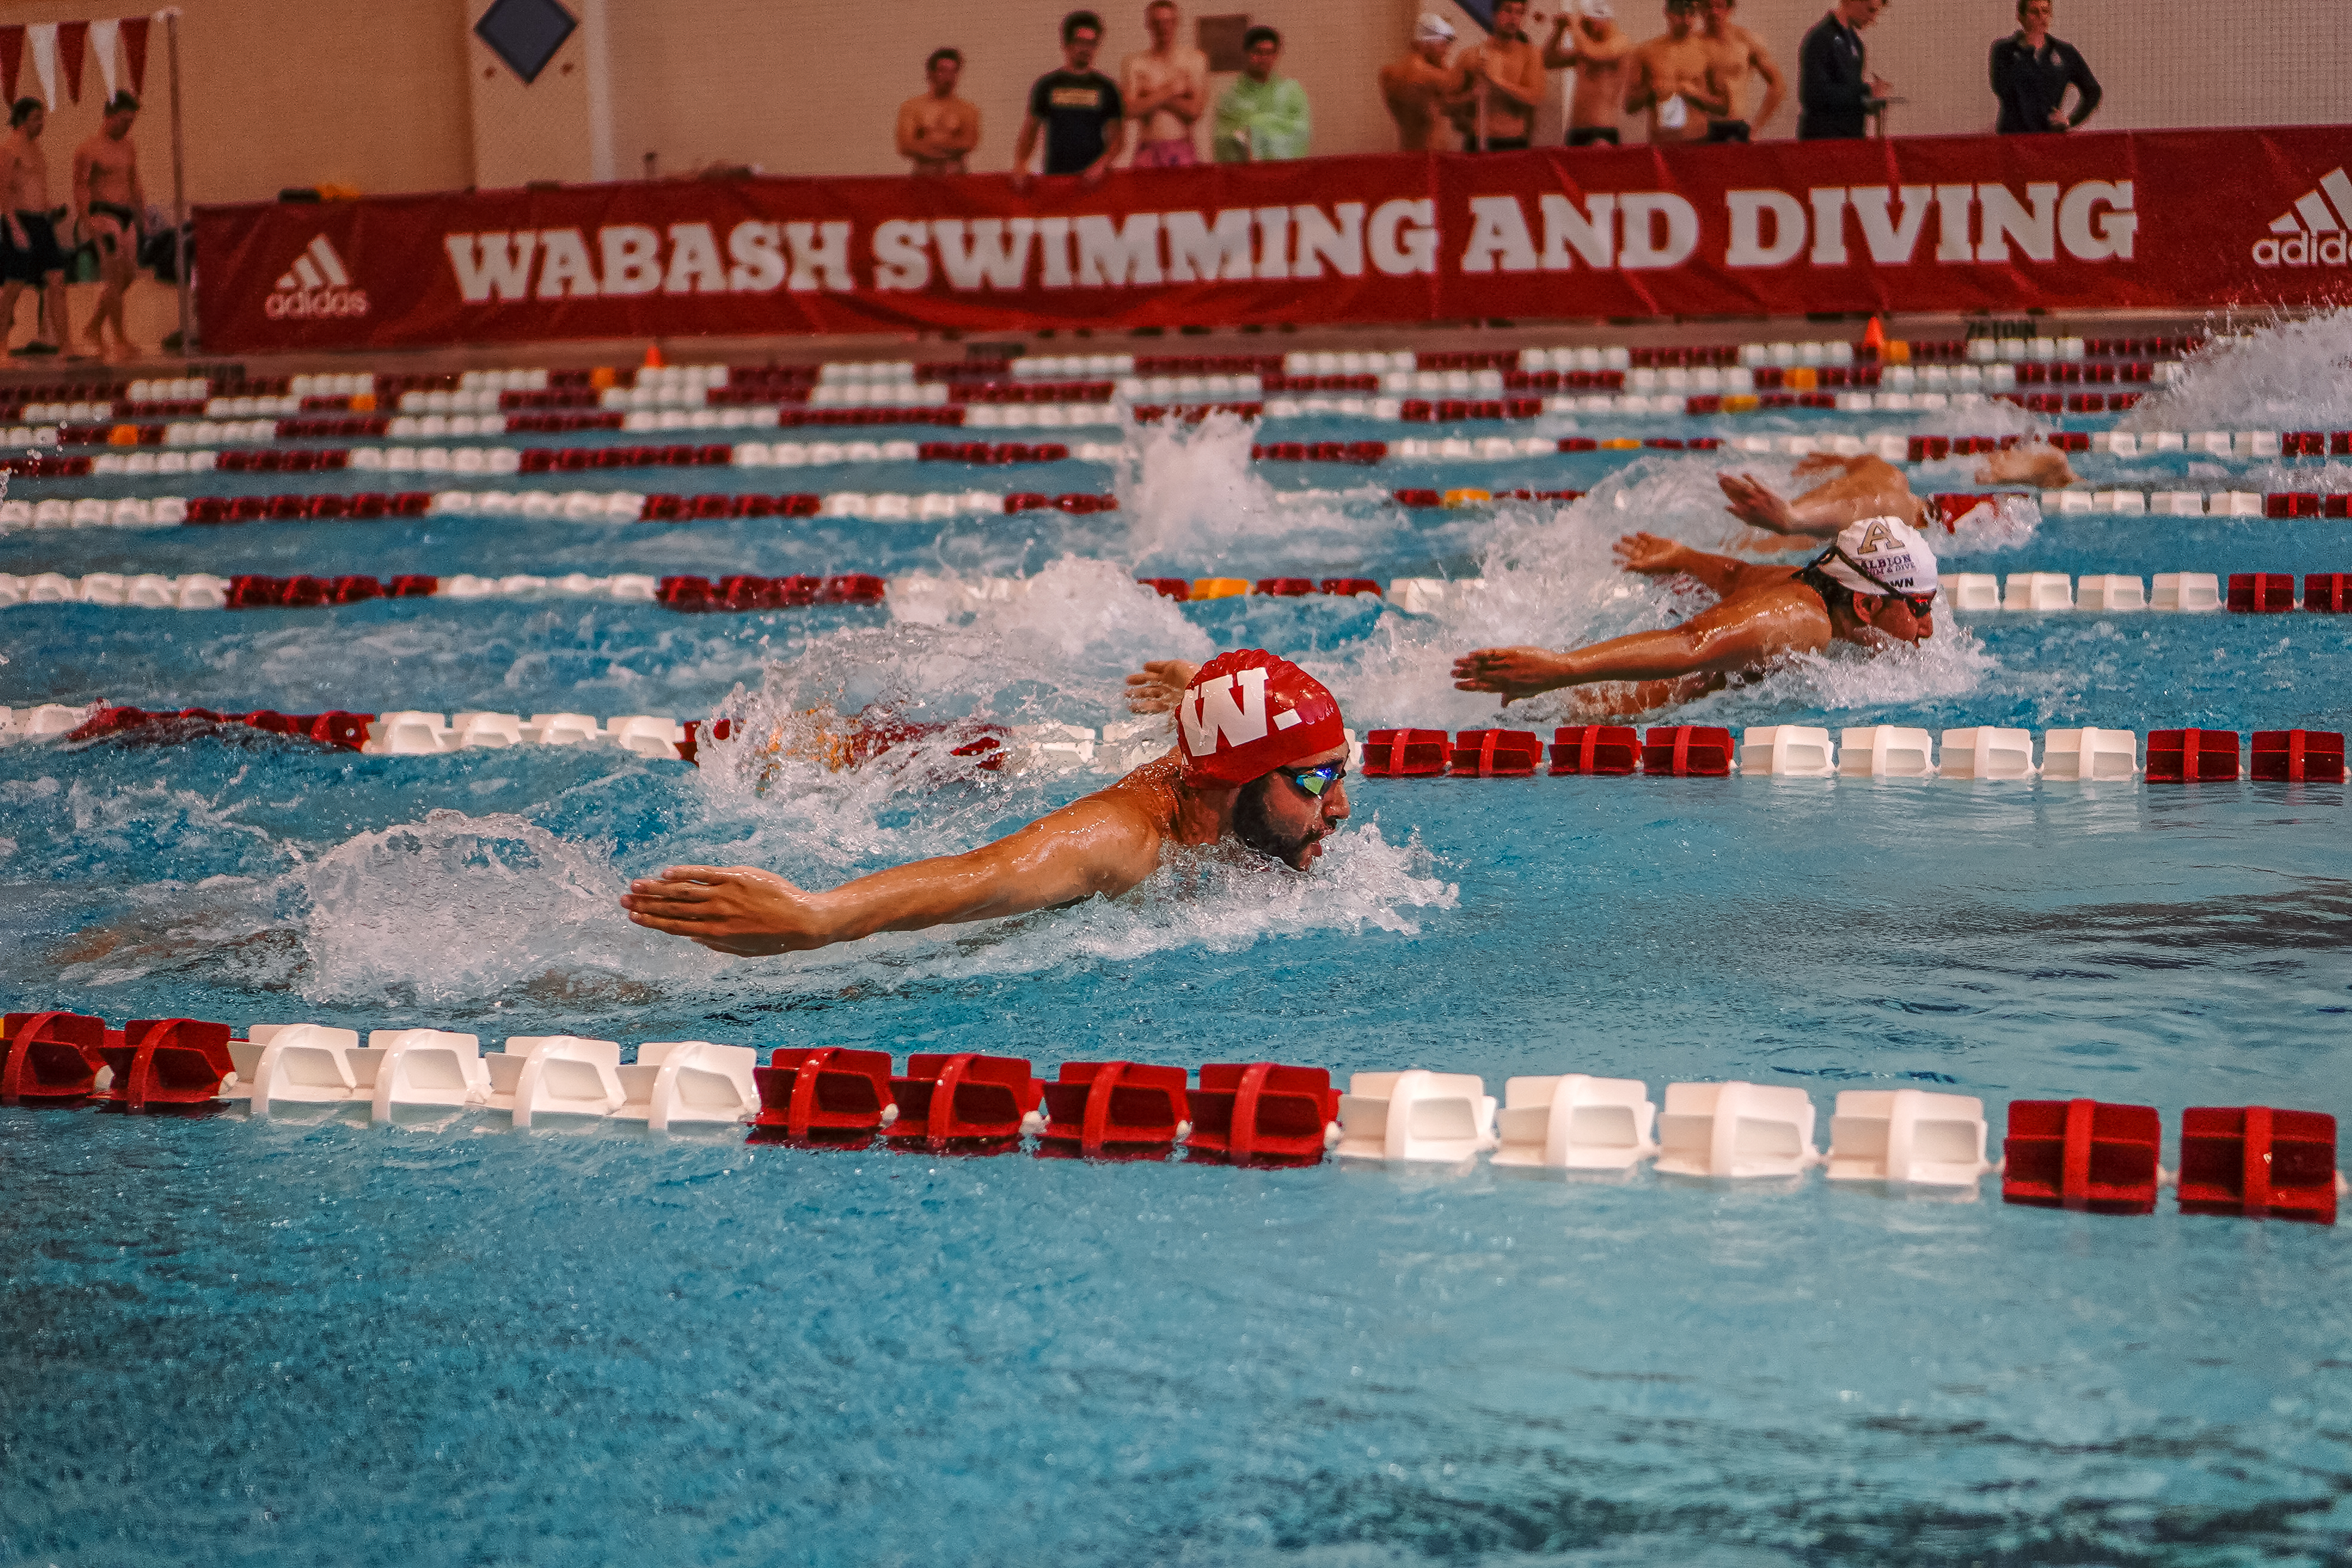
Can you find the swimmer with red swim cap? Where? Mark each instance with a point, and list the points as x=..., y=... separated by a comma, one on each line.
x=1261, y=758
x=1874, y=585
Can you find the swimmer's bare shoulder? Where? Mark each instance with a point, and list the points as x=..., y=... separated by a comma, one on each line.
x=1103, y=843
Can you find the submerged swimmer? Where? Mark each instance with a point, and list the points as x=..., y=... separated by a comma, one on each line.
x=1261, y=757
x=1866, y=487
x=1876, y=584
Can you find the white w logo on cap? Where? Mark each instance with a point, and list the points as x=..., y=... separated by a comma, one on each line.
x=1210, y=717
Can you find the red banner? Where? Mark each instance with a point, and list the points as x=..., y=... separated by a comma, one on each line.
x=2181, y=220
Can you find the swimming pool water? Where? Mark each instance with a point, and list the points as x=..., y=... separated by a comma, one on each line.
x=232, y=1341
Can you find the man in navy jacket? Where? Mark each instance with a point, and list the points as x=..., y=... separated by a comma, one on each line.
x=1834, y=86
x=2031, y=73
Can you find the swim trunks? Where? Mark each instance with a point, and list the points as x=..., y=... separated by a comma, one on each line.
x=1174, y=153
x=1586, y=135
x=1727, y=131
x=1498, y=144
x=120, y=214
x=39, y=256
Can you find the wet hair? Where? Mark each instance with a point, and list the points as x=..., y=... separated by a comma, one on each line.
x=939, y=55
x=123, y=103
x=1261, y=35
x=1077, y=19
x=1835, y=596
x=22, y=110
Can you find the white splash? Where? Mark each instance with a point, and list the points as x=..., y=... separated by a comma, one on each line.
x=1195, y=503
x=2292, y=375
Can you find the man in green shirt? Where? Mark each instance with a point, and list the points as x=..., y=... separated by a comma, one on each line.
x=1262, y=117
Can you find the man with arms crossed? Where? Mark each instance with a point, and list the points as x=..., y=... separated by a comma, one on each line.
x=935, y=129
x=1261, y=758
x=1422, y=87
x=1166, y=87
x=1077, y=108
x=30, y=227
x=1597, y=57
x=1671, y=78
x=1734, y=53
x=1507, y=82
x=1874, y=585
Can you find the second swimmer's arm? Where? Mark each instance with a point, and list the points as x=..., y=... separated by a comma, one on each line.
x=1099, y=845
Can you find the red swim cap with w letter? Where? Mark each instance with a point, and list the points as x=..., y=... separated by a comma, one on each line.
x=1248, y=713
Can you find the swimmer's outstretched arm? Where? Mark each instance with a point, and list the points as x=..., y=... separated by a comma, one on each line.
x=1755, y=503
x=1102, y=844
x=1158, y=685
x=1653, y=556
x=1725, y=640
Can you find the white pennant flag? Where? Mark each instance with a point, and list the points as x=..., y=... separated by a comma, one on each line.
x=44, y=36
x=103, y=37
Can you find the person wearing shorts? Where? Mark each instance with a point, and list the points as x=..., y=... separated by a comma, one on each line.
x=108, y=198
x=1165, y=88
x=34, y=259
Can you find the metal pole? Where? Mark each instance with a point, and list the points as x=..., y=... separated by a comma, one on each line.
x=179, y=185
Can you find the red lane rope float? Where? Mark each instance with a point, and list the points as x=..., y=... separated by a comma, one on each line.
x=1681, y=751
x=2192, y=756
x=1595, y=748
x=2081, y=1155
x=1494, y=754
x=2256, y=1163
x=167, y=1062
x=51, y=1058
x=965, y=1097
x=1406, y=753
x=741, y=594
x=829, y=1093
x=1115, y=1107
x=1262, y=1111
x=2296, y=756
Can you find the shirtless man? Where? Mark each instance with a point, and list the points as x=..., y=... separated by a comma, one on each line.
x=1261, y=758
x=1165, y=88
x=1422, y=87
x=935, y=129
x=30, y=226
x=1857, y=487
x=1671, y=79
x=1597, y=57
x=107, y=200
x=1737, y=54
x=1874, y=586
x=1506, y=82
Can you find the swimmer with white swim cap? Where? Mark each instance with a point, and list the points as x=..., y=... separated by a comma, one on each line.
x=1261, y=758
x=1874, y=585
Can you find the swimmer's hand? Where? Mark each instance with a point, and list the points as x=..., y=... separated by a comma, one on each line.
x=1511, y=672
x=1648, y=555
x=1753, y=504
x=2044, y=467
x=737, y=909
x=1160, y=686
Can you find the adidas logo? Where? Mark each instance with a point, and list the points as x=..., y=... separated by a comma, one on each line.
x=2313, y=231
x=317, y=284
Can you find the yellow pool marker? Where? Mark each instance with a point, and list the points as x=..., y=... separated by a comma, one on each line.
x=1742, y=403
x=603, y=378
x=1466, y=498
x=1801, y=379
x=123, y=435
x=1220, y=588
x=1621, y=444
x=363, y=403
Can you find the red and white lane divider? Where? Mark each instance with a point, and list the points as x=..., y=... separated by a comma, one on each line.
x=2249, y=1162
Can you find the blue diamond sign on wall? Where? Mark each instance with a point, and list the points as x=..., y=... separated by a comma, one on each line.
x=525, y=34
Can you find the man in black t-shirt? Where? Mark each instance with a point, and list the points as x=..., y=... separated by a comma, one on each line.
x=1077, y=108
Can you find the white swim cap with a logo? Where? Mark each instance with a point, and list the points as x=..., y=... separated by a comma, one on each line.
x=1432, y=28
x=1880, y=555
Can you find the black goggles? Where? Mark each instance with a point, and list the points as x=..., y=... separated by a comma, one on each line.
x=1317, y=780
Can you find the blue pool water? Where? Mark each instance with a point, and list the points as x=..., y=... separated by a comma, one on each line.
x=233, y=1341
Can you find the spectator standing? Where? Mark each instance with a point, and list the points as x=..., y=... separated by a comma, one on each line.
x=1834, y=87
x=29, y=224
x=1076, y=108
x=1166, y=89
x=107, y=200
x=1422, y=87
x=1673, y=78
x=2031, y=71
x=1507, y=83
x=1737, y=54
x=935, y=129
x=1262, y=117
x=1597, y=57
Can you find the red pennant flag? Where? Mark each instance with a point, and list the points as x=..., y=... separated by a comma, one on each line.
x=12, y=58
x=73, y=43
x=134, y=50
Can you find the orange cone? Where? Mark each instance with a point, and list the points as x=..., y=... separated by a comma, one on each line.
x=654, y=360
x=1873, y=336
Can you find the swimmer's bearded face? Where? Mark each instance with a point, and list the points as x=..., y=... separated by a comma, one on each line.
x=1275, y=817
